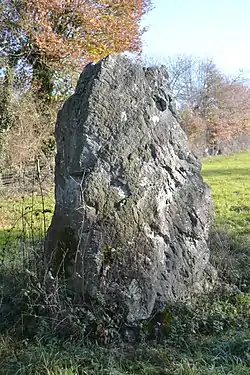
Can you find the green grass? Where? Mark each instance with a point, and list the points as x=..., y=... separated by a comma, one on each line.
x=23, y=222
x=25, y=213
x=224, y=355
x=229, y=177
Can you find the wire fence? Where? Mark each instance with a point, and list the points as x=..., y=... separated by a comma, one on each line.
x=26, y=179
x=26, y=209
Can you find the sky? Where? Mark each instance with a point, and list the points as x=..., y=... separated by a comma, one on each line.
x=206, y=28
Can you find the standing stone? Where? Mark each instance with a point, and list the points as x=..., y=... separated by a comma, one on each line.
x=132, y=212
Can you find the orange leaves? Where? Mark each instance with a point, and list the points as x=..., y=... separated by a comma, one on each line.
x=226, y=114
x=233, y=111
x=84, y=30
x=211, y=104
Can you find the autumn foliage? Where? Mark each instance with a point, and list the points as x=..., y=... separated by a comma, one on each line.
x=61, y=36
x=44, y=45
x=81, y=31
x=211, y=105
x=229, y=116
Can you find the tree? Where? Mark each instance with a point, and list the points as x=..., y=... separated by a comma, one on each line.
x=43, y=45
x=210, y=103
x=53, y=34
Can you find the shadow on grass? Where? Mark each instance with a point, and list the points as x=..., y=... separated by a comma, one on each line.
x=12, y=283
x=18, y=247
x=239, y=172
x=230, y=254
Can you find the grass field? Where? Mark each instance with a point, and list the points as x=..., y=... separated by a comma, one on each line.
x=24, y=221
x=210, y=337
x=25, y=214
x=229, y=178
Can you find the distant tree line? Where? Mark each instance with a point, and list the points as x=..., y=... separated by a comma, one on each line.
x=210, y=104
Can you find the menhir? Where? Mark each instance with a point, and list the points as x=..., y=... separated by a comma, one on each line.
x=132, y=212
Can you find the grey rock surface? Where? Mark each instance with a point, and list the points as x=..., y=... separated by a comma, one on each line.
x=132, y=212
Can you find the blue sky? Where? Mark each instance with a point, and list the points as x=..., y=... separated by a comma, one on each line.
x=208, y=28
